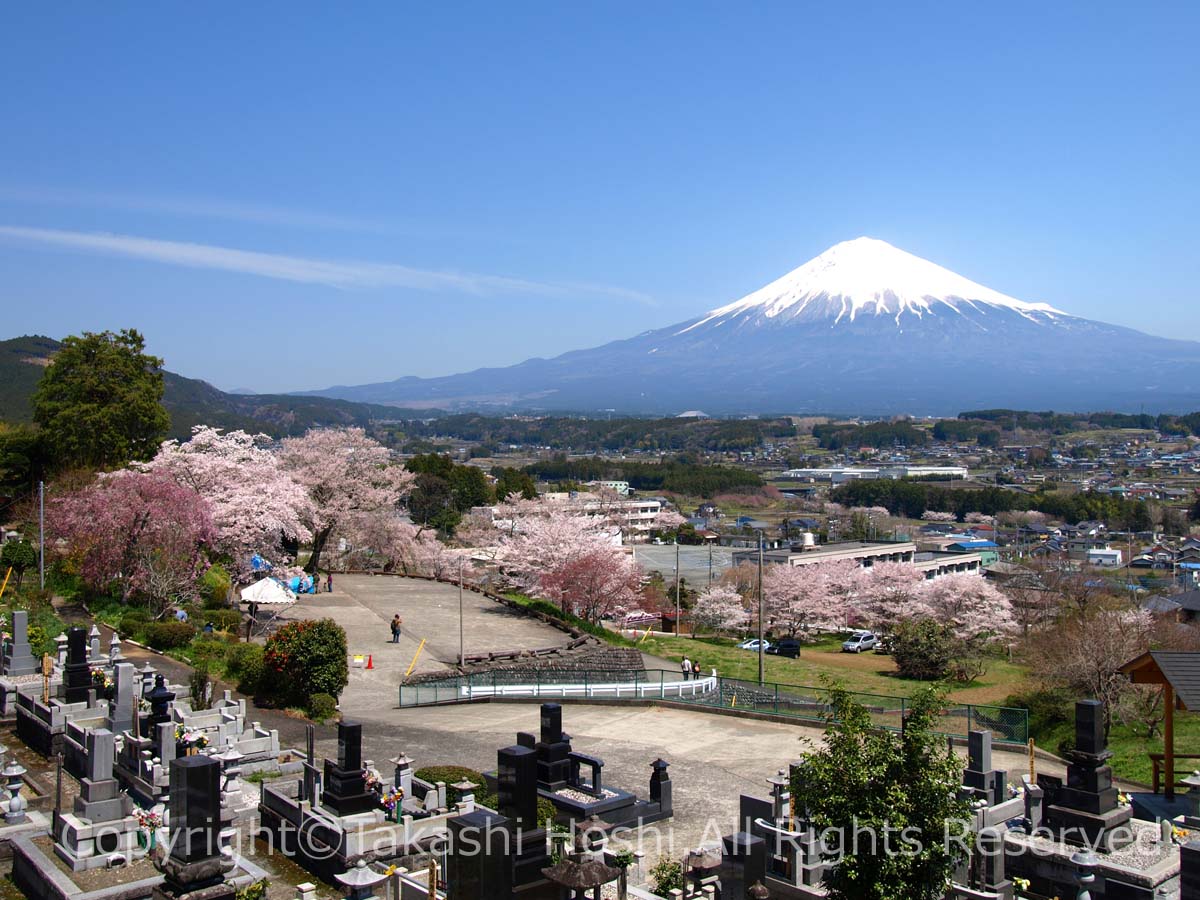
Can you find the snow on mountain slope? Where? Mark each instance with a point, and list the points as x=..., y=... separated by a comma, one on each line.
x=868, y=277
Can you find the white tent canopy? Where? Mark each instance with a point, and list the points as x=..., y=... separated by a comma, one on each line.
x=267, y=591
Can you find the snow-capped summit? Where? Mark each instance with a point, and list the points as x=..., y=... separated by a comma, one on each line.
x=863, y=328
x=864, y=277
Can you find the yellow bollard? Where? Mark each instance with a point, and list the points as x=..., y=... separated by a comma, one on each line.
x=412, y=665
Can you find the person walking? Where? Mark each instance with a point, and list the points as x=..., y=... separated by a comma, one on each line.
x=396, y=623
x=686, y=668
x=329, y=583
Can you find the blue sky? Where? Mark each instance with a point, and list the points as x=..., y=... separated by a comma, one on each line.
x=288, y=196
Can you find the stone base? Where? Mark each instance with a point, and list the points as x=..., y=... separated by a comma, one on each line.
x=216, y=892
x=186, y=879
x=85, y=845
x=1107, y=831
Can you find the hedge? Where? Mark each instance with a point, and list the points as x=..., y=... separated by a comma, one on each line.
x=169, y=635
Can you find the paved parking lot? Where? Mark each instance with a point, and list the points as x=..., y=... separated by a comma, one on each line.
x=364, y=606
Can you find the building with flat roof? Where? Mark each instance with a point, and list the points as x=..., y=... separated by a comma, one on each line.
x=933, y=564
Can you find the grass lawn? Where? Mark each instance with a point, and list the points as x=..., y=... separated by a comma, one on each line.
x=866, y=672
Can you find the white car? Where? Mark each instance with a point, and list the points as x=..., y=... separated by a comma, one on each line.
x=753, y=643
x=859, y=641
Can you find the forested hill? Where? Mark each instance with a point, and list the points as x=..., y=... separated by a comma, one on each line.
x=189, y=401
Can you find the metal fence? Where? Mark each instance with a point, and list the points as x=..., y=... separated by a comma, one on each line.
x=800, y=702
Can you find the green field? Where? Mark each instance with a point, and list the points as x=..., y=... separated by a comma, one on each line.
x=866, y=672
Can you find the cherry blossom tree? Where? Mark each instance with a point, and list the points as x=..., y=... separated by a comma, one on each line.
x=255, y=503
x=888, y=592
x=932, y=515
x=142, y=534
x=594, y=584
x=721, y=609
x=797, y=597
x=350, y=481
x=667, y=520
x=969, y=604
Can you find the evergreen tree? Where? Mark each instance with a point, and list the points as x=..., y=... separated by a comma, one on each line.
x=100, y=401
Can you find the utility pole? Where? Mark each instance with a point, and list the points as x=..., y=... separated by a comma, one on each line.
x=462, y=655
x=42, y=533
x=709, y=561
x=760, y=607
x=678, y=605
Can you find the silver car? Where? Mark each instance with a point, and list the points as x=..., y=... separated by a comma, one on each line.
x=859, y=641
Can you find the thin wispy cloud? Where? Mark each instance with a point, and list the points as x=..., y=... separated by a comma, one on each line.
x=191, y=207
x=345, y=275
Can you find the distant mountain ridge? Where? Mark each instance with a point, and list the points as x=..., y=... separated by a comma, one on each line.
x=863, y=328
x=189, y=401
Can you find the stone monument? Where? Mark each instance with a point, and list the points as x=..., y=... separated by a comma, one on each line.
x=194, y=867
x=18, y=656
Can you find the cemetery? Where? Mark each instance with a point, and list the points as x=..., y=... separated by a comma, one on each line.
x=160, y=803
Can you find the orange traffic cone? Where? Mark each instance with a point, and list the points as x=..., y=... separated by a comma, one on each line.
x=370, y=661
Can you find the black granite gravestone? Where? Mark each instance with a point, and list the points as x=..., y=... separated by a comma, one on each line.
x=160, y=699
x=345, y=783
x=553, y=750
x=77, y=677
x=1084, y=810
x=517, y=785
x=195, y=804
x=194, y=865
x=479, y=861
x=660, y=784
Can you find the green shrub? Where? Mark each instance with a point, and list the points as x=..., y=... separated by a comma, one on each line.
x=133, y=623
x=1051, y=715
x=923, y=649
x=304, y=658
x=169, y=635
x=667, y=876
x=209, y=649
x=222, y=619
x=244, y=664
x=322, y=707
x=198, y=685
x=214, y=586
x=450, y=775
x=546, y=811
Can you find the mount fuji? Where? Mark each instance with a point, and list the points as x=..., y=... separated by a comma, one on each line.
x=864, y=328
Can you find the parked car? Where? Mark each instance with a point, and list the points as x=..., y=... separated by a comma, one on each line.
x=753, y=643
x=789, y=647
x=859, y=641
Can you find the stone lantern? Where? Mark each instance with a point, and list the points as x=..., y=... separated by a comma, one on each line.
x=360, y=881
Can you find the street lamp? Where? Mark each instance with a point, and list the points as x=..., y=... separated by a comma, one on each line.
x=761, y=660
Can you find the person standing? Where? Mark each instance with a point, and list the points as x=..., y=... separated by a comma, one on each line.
x=396, y=623
x=329, y=583
x=686, y=668
x=695, y=670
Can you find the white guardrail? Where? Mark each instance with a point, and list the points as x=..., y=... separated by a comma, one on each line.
x=692, y=687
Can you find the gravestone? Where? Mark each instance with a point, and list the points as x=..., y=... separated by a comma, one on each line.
x=18, y=656
x=517, y=784
x=99, y=797
x=160, y=699
x=486, y=873
x=660, y=784
x=1084, y=810
x=100, y=828
x=984, y=782
x=77, y=675
x=94, y=644
x=124, y=683
x=553, y=750
x=345, y=784
x=195, y=867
